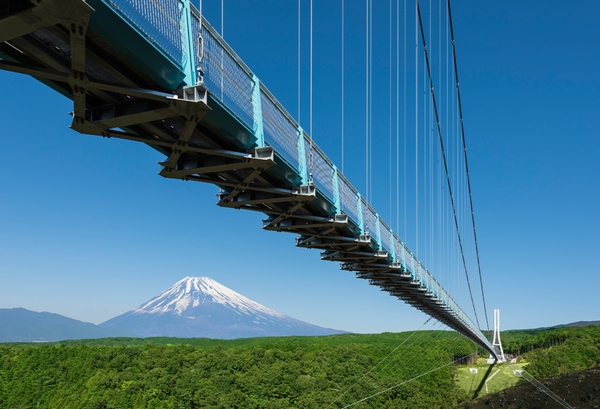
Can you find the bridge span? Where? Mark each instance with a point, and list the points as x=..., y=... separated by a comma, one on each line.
x=159, y=74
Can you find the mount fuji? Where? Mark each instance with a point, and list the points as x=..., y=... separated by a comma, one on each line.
x=200, y=307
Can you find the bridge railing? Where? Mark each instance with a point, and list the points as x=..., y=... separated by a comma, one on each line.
x=280, y=131
x=233, y=84
x=348, y=199
x=225, y=75
x=159, y=21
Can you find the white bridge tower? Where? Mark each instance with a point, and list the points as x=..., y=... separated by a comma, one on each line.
x=496, y=343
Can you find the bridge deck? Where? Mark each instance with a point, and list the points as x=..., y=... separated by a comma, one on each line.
x=229, y=131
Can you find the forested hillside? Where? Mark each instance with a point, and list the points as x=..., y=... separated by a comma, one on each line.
x=562, y=350
x=290, y=372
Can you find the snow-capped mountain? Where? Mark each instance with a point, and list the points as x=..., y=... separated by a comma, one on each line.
x=201, y=307
x=194, y=291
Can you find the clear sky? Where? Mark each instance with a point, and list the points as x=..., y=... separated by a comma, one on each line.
x=89, y=230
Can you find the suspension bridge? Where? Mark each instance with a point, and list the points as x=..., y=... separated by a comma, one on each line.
x=158, y=73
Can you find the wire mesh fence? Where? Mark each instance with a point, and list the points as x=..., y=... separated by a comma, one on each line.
x=159, y=21
x=226, y=79
x=349, y=200
x=279, y=131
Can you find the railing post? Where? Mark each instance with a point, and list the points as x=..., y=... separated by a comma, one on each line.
x=378, y=231
x=258, y=116
x=361, y=218
x=336, y=191
x=393, y=246
x=403, y=256
x=187, y=37
x=302, y=168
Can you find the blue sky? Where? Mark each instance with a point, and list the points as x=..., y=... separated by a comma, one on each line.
x=89, y=230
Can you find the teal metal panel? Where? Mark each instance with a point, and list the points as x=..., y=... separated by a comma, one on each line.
x=187, y=35
x=226, y=123
x=336, y=191
x=258, y=115
x=302, y=167
x=124, y=37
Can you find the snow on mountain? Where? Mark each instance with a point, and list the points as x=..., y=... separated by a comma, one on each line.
x=191, y=292
x=201, y=307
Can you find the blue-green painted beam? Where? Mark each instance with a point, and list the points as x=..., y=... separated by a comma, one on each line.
x=302, y=167
x=187, y=37
x=258, y=116
x=336, y=191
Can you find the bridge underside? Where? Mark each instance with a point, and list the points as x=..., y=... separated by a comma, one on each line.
x=55, y=42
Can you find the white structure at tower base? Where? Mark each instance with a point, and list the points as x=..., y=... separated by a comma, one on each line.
x=496, y=343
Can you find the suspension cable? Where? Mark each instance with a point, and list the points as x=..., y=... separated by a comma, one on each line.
x=367, y=106
x=404, y=117
x=430, y=156
x=391, y=123
x=397, y=118
x=541, y=387
x=439, y=129
x=380, y=362
x=416, y=134
x=370, y=101
x=462, y=125
x=310, y=155
x=299, y=69
x=343, y=83
x=404, y=382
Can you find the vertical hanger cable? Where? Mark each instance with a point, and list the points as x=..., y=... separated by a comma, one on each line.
x=343, y=82
x=310, y=156
x=391, y=108
x=299, y=70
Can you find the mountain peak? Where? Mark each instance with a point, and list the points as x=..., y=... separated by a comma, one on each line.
x=201, y=307
x=191, y=292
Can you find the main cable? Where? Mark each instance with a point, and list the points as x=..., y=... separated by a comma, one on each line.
x=445, y=161
x=462, y=126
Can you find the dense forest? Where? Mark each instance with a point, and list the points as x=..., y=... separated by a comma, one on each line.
x=556, y=351
x=287, y=372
